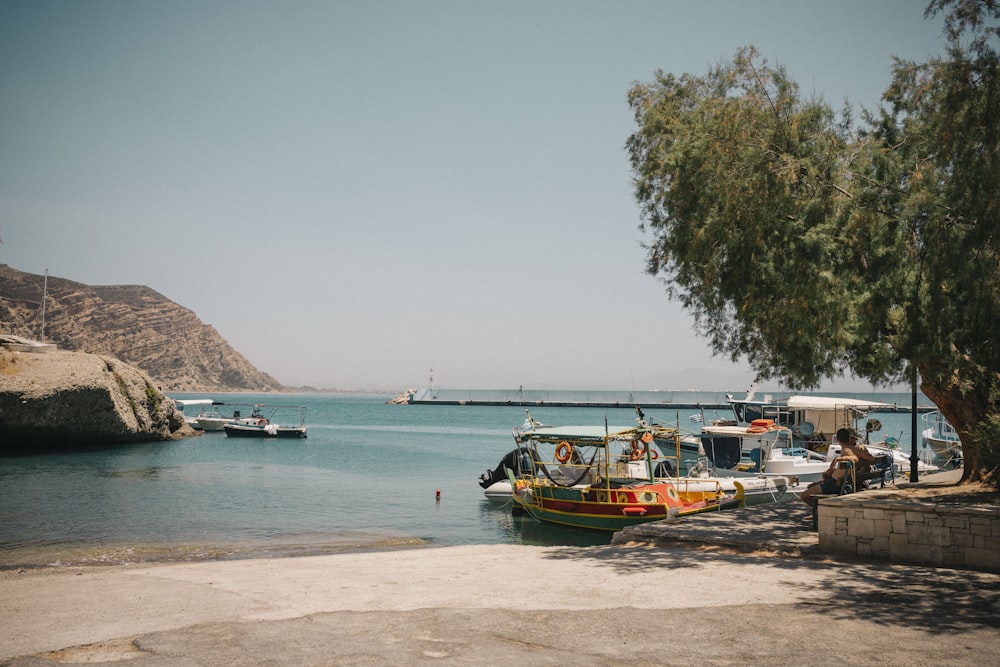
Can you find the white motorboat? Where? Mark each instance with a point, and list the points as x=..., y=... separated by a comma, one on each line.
x=259, y=426
x=762, y=447
x=940, y=440
x=201, y=404
x=813, y=420
x=213, y=420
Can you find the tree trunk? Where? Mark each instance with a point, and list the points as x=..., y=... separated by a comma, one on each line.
x=963, y=410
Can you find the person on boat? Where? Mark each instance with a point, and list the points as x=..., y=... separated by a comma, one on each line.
x=833, y=477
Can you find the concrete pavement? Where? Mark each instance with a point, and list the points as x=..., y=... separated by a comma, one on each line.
x=482, y=604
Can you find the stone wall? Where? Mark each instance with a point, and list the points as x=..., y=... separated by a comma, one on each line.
x=930, y=533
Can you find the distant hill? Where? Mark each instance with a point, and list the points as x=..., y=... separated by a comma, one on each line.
x=133, y=323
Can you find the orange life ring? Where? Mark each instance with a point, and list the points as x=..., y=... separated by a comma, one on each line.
x=564, y=451
x=638, y=453
x=653, y=455
x=647, y=437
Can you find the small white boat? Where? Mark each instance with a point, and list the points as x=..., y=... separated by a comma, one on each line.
x=259, y=426
x=940, y=440
x=805, y=465
x=762, y=447
x=213, y=420
x=202, y=404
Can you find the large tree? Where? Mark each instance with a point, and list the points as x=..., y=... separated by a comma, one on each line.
x=815, y=245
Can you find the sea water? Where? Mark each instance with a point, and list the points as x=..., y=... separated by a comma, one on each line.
x=370, y=475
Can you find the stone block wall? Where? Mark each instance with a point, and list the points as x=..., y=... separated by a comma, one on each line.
x=898, y=531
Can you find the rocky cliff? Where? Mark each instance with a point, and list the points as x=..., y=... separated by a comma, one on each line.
x=134, y=324
x=67, y=399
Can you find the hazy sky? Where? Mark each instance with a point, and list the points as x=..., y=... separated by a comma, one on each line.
x=353, y=193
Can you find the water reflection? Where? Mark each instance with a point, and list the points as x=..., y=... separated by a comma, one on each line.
x=525, y=530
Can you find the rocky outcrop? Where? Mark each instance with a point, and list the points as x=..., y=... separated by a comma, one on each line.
x=66, y=399
x=129, y=322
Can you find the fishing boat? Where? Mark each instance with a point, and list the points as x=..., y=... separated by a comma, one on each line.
x=940, y=440
x=812, y=420
x=757, y=488
x=259, y=426
x=805, y=444
x=576, y=479
x=674, y=464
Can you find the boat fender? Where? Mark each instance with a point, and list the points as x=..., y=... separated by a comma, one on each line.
x=564, y=451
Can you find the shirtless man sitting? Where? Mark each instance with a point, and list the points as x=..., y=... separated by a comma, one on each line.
x=833, y=476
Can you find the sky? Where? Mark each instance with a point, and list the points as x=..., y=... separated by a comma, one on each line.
x=355, y=194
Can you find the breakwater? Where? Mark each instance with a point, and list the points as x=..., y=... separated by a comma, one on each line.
x=679, y=400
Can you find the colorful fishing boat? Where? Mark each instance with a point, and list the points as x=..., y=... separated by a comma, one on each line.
x=666, y=451
x=574, y=481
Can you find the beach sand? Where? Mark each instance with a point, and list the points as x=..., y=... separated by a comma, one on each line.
x=486, y=604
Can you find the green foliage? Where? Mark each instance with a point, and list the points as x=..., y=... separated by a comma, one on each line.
x=744, y=188
x=986, y=438
x=813, y=247
x=153, y=398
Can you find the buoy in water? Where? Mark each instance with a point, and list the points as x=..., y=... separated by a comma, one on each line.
x=437, y=495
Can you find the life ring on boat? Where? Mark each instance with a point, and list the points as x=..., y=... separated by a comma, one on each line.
x=261, y=422
x=647, y=438
x=638, y=454
x=564, y=451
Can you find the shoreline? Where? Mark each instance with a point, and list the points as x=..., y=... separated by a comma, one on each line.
x=146, y=554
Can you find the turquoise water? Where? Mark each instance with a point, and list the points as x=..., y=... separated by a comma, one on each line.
x=367, y=477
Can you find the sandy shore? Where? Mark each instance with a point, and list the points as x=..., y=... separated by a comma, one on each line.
x=481, y=604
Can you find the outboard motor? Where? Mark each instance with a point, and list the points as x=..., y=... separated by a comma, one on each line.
x=518, y=460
